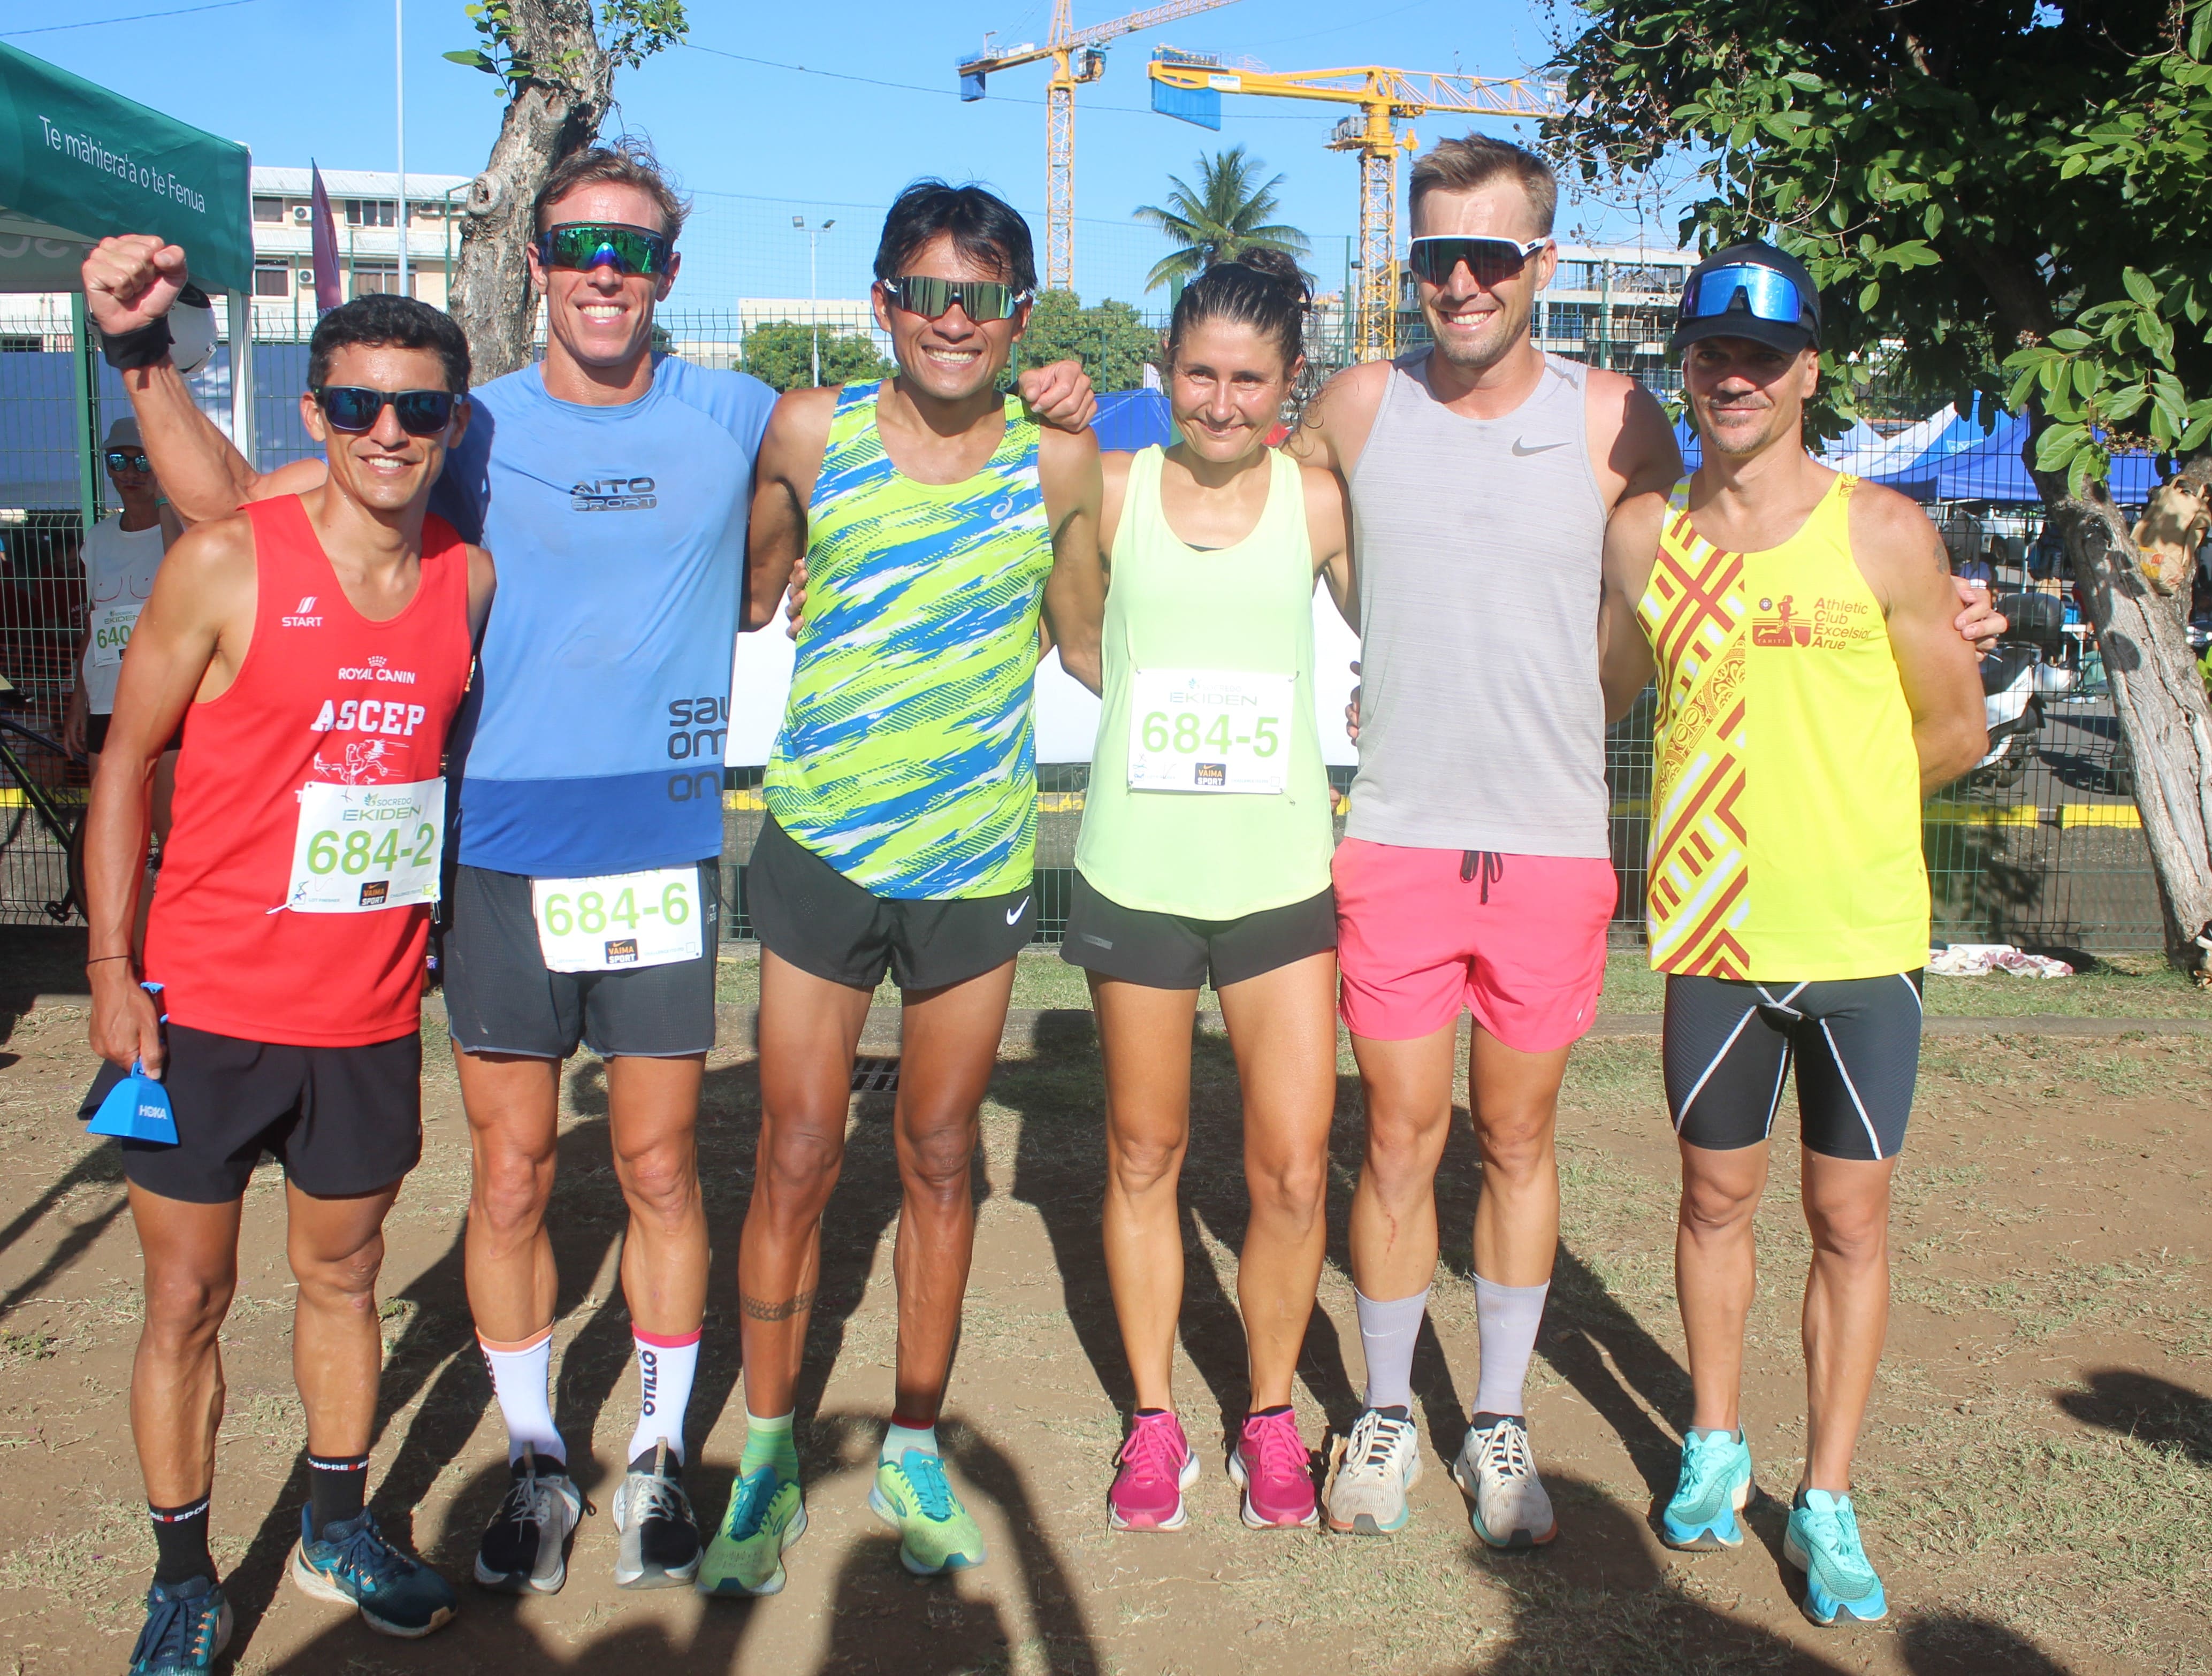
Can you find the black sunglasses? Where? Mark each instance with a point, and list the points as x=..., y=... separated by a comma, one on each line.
x=353, y=409
x=118, y=460
x=1490, y=261
x=586, y=244
x=979, y=300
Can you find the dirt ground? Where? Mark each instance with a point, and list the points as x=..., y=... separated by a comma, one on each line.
x=2036, y=1484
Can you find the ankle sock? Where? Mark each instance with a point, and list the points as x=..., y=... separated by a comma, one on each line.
x=769, y=1443
x=1508, y=1317
x=666, y=1364
x=1388, y=1329
x=180, y=1542
x=899, y=1436
x=338, y=1487
x=518, y=1380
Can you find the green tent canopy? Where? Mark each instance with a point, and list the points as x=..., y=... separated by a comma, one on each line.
x=78, y=163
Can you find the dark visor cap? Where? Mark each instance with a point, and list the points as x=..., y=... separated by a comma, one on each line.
x=1749, y=290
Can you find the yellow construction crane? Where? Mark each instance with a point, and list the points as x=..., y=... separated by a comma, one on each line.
x=1190, y=86
x=1077, y=55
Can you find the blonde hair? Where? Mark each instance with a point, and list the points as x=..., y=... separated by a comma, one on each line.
x=1463, y=166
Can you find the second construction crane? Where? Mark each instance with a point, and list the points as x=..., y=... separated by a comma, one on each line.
x=1190, y=86
x=1078, y=55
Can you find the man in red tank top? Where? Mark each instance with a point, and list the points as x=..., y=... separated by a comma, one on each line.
x=314, y=650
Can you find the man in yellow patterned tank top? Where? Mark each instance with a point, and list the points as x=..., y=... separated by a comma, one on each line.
x=1812, y=689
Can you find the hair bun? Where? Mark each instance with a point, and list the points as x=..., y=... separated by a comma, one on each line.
x=1278, y=265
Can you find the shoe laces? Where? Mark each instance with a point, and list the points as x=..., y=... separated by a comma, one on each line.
x=657, y=1497
x=529, y=1499
x=1375, y=1438
x=363, y=1553
x=749, y=1507
x=1840, y=1523
x=179, y=1628
x=1151, y=1447
x=1504, y=1450
x=1274, y=1441
x=1706, y=1459
x=925, y=1473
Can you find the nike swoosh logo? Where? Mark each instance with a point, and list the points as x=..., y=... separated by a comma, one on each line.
x=1014, y=914
x=1523, y=449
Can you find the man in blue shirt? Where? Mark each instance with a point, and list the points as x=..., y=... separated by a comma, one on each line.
x=585, y=905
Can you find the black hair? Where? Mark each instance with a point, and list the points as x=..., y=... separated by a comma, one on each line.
x=1261, y=289
x=984, y=228
x=380, y=318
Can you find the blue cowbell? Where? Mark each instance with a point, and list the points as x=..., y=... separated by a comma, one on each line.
x=137, y=1108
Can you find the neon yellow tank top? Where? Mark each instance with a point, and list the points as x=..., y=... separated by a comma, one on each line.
x=1785, y=802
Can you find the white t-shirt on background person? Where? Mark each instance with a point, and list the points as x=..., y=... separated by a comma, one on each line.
x=118, y=575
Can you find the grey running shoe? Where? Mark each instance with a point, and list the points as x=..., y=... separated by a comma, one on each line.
x=661, y=1544
x=525, y=1547
x=1507, y=1506
x=1374, y=1468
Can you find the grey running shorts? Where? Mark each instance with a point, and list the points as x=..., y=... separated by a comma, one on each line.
x=812, y=915
x=1855, y=1042
x=500, y=999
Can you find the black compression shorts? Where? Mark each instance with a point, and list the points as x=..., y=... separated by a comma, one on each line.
x=1167, y=951
x=1855, y=1042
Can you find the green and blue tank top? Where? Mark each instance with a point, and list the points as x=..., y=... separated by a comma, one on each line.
x=908, y=759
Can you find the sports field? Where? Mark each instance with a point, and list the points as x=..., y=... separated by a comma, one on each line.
x=2036, y=1481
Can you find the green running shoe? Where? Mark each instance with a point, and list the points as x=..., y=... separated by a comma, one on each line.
x=1714, y=1487
x=936, y=1534
x=1822, y=1541
x=766, y=1515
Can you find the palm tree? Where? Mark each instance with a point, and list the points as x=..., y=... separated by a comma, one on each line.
x=1226, y=216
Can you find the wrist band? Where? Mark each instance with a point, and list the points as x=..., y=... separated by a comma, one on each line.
x=147, y=346
x=96, y=959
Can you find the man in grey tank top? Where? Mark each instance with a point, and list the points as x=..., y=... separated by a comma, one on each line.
x=1476, y=872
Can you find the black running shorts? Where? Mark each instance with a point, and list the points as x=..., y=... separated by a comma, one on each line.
x=1167, y=951
x=342, y=1120
x=1855, y=1042
x=814, y=917
x=500, y=999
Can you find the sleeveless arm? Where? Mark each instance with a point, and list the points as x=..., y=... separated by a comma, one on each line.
x=1075, y=591
x=1903, y=560
x=1631, y=546
x=790, y=460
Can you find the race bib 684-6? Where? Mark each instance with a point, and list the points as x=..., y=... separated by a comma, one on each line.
x=621, y=920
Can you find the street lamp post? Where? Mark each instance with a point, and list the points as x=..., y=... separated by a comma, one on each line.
x=813, y=318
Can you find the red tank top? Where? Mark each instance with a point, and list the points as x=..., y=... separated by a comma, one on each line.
x=324, y=694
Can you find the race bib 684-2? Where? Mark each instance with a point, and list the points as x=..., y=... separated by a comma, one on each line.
x=360, y=848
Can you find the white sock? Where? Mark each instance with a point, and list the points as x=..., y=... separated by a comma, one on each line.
x=898, y=1439
x=1508, y=1317
x=518, y=1380
x=1387, y=1332
x=665, y=1368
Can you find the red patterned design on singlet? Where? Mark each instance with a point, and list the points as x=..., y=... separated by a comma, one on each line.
x=323, y=694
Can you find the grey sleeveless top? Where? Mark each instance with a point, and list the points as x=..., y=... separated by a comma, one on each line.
x=1479, y=543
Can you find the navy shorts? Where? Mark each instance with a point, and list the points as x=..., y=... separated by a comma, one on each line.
x=1855, y=1042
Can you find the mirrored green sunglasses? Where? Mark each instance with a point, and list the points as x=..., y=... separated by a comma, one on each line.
x=586, y=244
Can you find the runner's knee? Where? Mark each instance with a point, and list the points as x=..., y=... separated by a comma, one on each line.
x=342, y=1282
x=1854, y=1232
x=185, y=1310
x=660, y=1181
x=1288, y=1188
x=1516, y=1143
x=512, y=1186
x=798, y=1166
x=1140, y=1164
x=936, y=1159
x=1711, y=1207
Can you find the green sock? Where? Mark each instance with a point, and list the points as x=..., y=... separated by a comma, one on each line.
x=770, y=1443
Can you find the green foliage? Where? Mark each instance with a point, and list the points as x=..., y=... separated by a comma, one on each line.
x=1111, y=340
x=1970, y=183
x=636, y=30
x=1227, y=214
x=780, y=355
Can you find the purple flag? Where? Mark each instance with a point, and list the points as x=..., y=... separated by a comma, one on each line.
x=325, y=234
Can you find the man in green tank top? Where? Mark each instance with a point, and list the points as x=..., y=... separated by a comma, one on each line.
x=1813, y=687
x=938, y=523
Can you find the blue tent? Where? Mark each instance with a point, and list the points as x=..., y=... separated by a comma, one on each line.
x=1132, y=419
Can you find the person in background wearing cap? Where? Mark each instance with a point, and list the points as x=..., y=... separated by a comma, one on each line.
x=1813, y=690
x=121, y=554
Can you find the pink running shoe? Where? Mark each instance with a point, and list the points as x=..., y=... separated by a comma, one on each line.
x=1271, y=1466
x=1157, y=1468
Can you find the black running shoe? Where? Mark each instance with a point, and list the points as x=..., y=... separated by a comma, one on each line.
x=525, y=1547
x=661, y=1544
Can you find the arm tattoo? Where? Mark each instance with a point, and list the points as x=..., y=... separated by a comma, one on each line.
x=761, y=1311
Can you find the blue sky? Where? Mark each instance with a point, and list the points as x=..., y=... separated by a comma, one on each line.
x=756, y=144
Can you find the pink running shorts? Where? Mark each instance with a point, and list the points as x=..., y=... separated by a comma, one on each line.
x=1517, y=940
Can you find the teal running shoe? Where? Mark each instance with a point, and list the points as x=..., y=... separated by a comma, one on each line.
x=766, y=1515
x=1714, y=1487
x=187, y=1627
x=1823, y=1542
x=936, y=1534
x=352, y=1563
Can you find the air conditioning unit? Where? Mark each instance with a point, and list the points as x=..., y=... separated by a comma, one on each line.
x=299, y=214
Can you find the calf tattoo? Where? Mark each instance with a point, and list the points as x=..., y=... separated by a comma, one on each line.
x=761, y=1310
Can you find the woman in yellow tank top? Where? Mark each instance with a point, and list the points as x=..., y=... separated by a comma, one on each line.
x=1205, y=852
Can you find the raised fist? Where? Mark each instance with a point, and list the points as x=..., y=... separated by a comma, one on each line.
x=131, y=281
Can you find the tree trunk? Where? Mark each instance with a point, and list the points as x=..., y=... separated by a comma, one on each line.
x=2157, y=695
x=554, y=110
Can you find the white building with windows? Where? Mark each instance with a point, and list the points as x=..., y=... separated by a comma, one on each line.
x=365, y=218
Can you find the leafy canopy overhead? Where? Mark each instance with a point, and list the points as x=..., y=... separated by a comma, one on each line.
x=1224, y=217
x=1110, y=339
x=1971, y=182
x=634, y=31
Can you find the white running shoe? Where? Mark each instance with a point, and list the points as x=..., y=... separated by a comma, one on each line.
x=661, y=1546
x=526, y=1545
x=1507, y=1506
x=1374, y=1468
